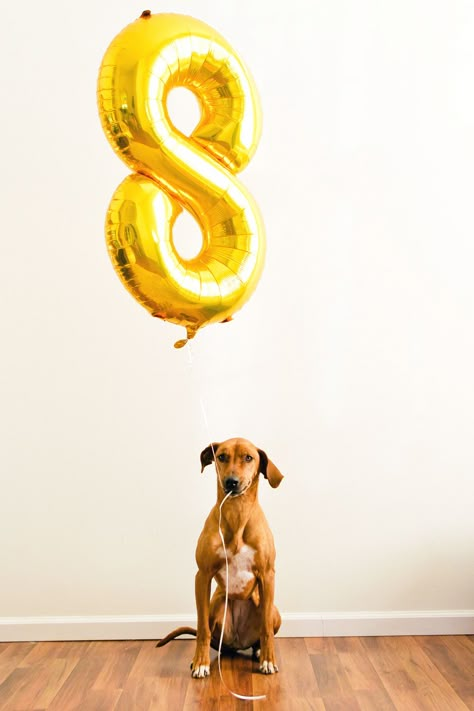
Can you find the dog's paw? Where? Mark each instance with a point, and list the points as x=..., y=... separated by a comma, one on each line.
x=267, y=667
x=200, y=671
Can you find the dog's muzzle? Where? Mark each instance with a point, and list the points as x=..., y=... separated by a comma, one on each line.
x=231, y=485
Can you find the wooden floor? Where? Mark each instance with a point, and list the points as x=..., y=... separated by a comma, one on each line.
x=323, y=674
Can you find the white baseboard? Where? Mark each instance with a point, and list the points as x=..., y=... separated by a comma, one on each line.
x=377, y=624
x=311, y=624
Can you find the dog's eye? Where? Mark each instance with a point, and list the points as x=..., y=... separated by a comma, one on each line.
x=248, y=458
x=221, y=457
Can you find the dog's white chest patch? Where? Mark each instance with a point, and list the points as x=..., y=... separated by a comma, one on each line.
x=240, y=569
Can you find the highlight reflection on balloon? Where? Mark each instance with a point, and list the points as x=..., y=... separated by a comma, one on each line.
x=172, y=172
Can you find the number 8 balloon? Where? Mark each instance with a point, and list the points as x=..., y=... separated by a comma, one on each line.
x=151, y=56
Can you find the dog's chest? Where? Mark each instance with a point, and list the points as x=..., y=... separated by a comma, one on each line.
x=241, y=575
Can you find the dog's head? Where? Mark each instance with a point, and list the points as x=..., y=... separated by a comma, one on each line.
x=238, y=463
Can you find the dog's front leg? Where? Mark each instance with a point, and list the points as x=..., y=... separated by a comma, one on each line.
x=266, y=586
x=202, y=660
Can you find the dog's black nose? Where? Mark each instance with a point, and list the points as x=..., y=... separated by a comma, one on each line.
x=231, y=484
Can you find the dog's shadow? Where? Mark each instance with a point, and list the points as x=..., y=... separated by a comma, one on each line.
x=245, y=655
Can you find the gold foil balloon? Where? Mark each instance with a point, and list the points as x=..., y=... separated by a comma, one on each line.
x=172, y=172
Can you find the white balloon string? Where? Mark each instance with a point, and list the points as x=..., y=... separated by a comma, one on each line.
x=226, y=604
x=237, y=696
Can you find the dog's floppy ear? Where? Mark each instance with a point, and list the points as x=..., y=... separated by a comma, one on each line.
x=269, y=470
x=207, y=455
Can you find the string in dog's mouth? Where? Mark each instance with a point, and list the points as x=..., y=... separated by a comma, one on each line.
x=235, y=494
x=226, y=599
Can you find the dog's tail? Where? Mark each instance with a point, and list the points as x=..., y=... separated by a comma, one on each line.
x=177, y=633
x=190, y=630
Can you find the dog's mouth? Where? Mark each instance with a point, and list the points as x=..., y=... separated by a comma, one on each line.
x=235, y=493
x=234, y=489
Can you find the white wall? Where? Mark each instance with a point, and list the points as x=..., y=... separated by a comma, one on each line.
x=352, y=365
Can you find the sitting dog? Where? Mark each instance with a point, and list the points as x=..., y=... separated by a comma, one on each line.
x=252, y=619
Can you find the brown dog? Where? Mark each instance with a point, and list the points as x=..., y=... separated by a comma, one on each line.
x=252, y=619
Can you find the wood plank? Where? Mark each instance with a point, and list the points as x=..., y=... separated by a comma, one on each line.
x=374, y=700
x=80, y=681
x=357, y=667
x=48, y=664
x=15, y=681
x=41, y=652
x=294, y=687
x=398, y=684
x=464, y=641
x=158, y=678
x=39, y=675
x=436, y=690
x=37, y=686
x=454, y=658
x=332, y=680
x=320, y=645
x=338, y=674
x=343, y=702
x=411, y=679
x=142, y=695
x=119, y=659
x=12, y=655
x=99, y=700
x=330, y=674
x=205, y=693
x=364, y=681
x=296, y=671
